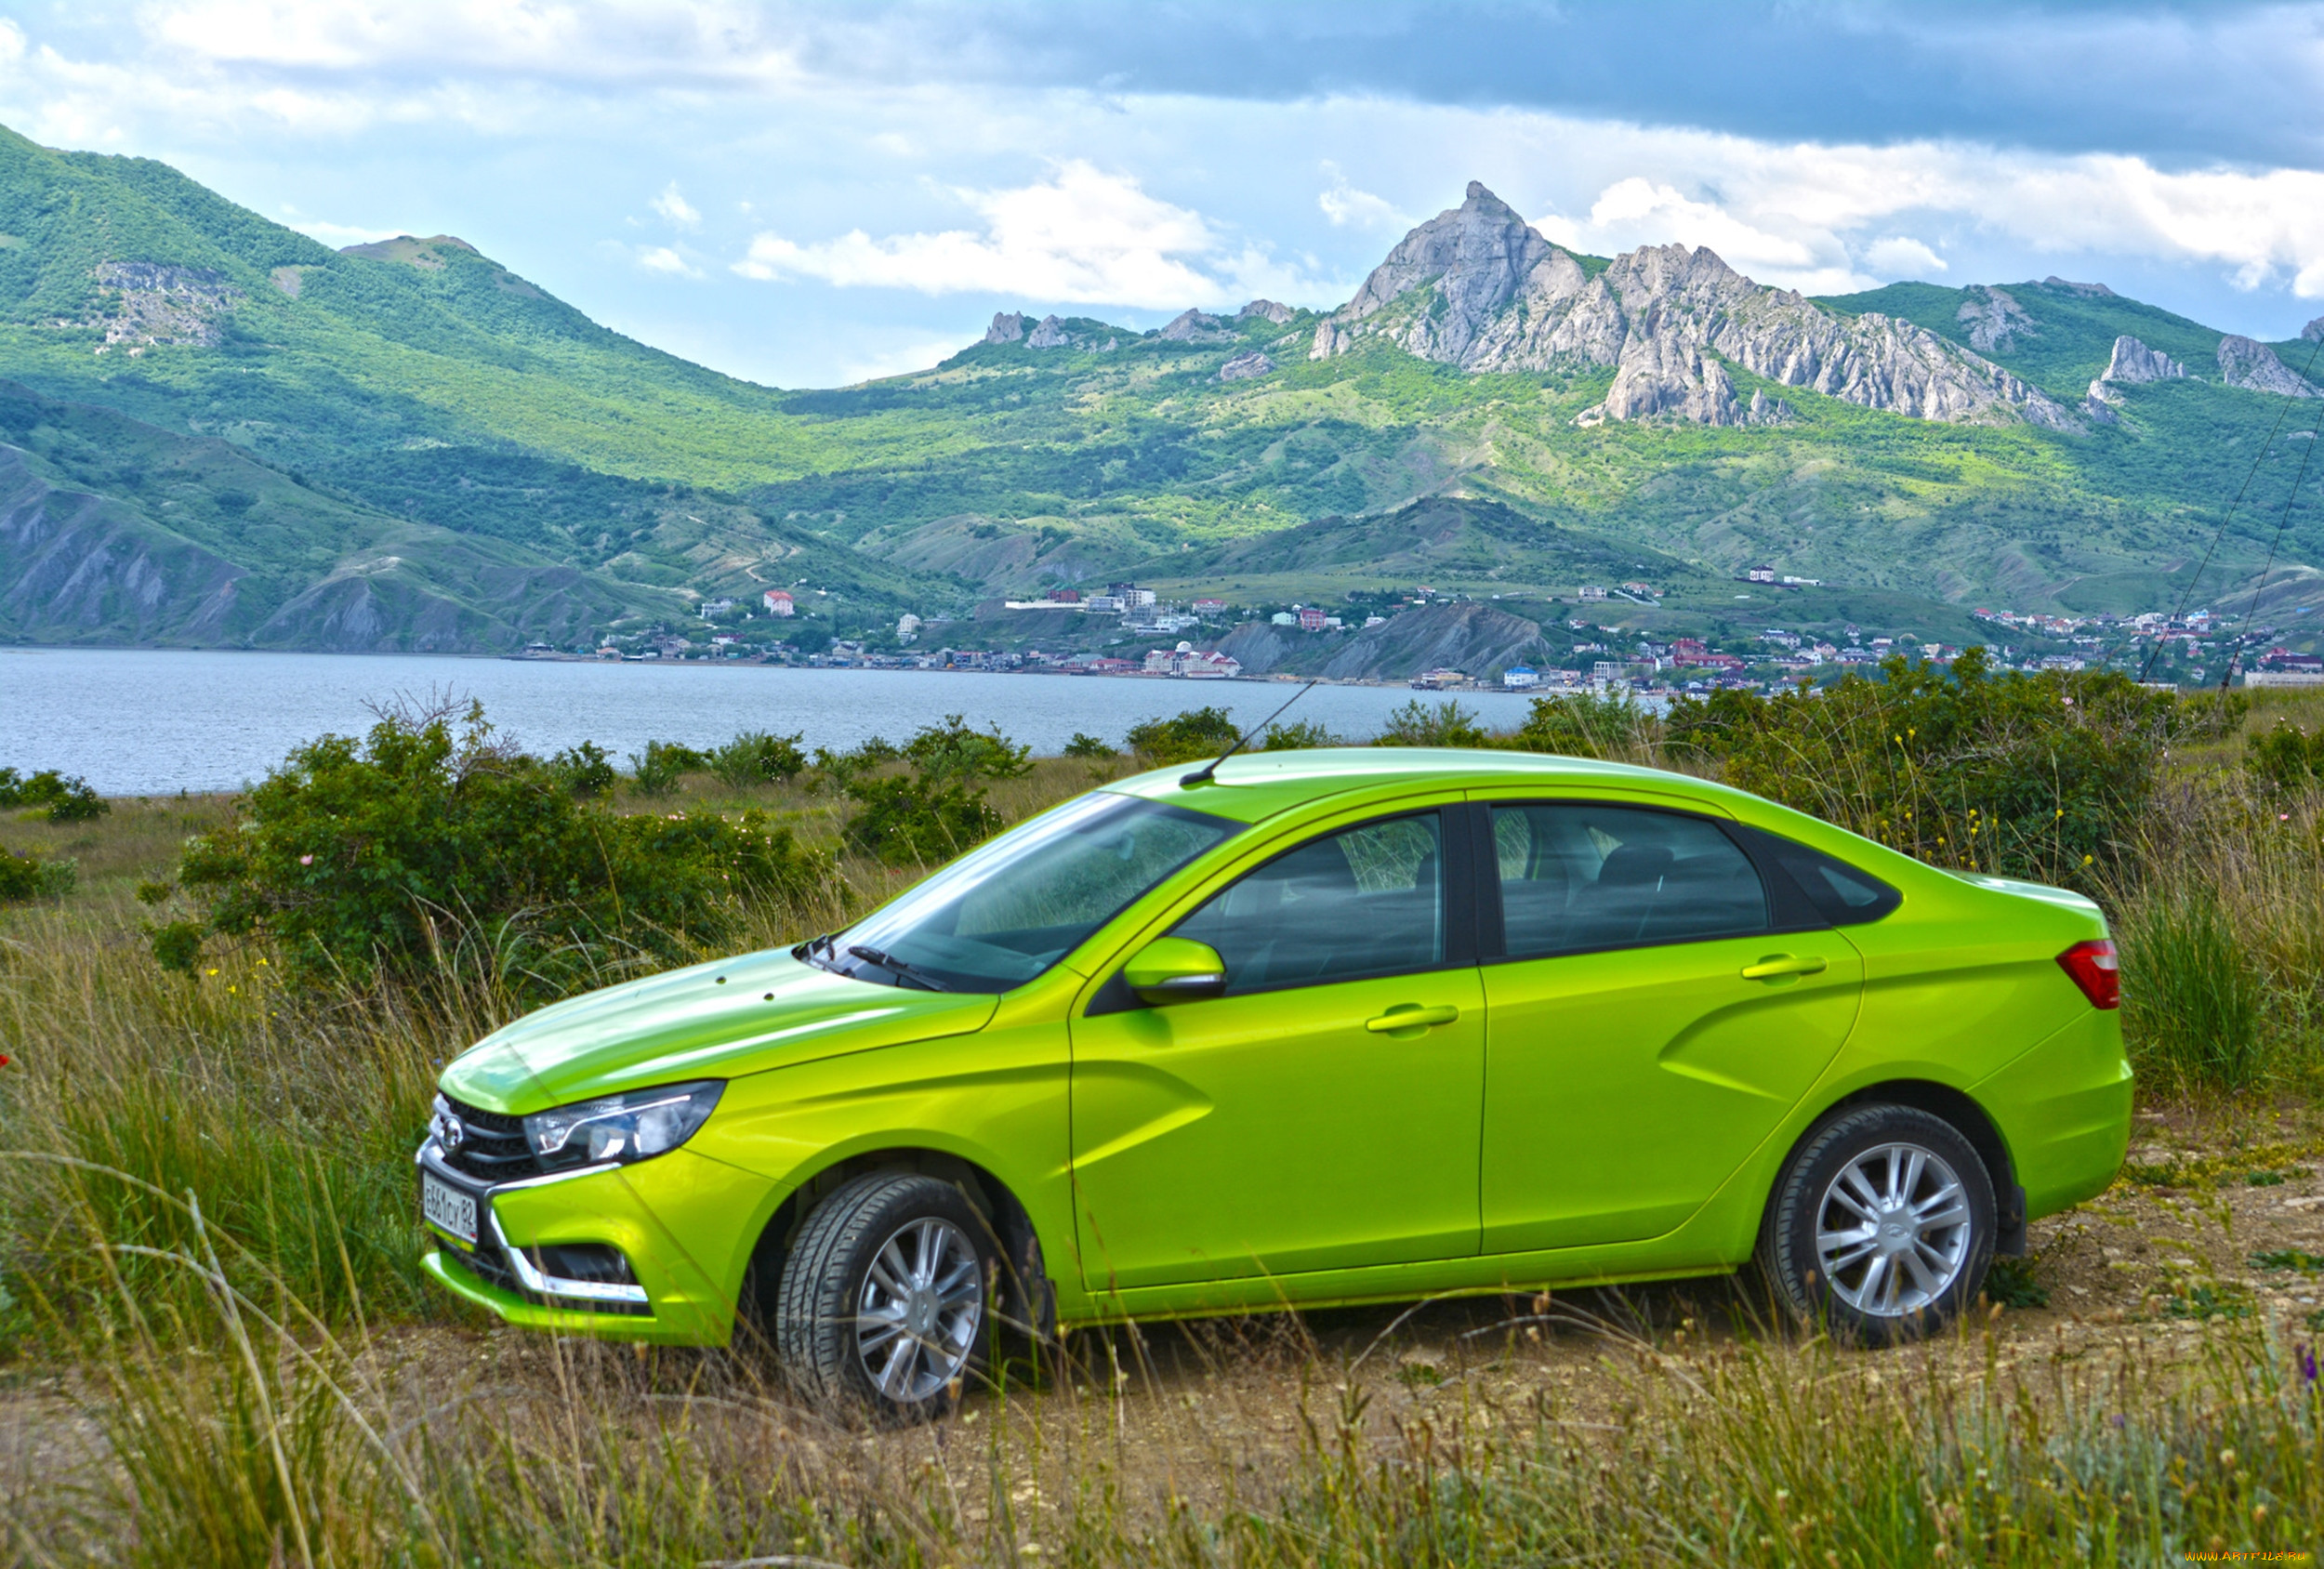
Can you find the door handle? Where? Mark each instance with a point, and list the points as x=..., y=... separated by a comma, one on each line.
x=1775, y=966
x=1410, y=1016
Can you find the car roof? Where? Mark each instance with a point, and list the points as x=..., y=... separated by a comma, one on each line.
x=1251, y=787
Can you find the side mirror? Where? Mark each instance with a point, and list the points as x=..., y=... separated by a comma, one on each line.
x=1175, y=970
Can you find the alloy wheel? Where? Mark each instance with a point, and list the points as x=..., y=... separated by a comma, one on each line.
x=1893, y=1230
x=921, y=1306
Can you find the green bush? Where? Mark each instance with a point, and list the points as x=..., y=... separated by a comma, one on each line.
x=1447, y=724
x=657, y=770
x=68, y=799
x=1086, y=746
x=1195, y=734
x=839, y=770
x=2044, y=776
x=2287, y=756
x=585, y=770
x=1582, y=724
x=420, y=845
x=2193, y=997
x=952, y=750
x=1302, y=736
x=757, y=758
x=24, y=878
x=907, y=820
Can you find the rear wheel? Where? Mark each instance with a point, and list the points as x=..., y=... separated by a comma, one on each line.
x=1881, y=1225
x=885, y=1296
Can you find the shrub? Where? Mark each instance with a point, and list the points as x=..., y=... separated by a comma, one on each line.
x=839, y=770
x=2287, y=756
x=1299, y=737
x=908, y=820
x=757, y=758
x=1447, y=724
x=663, y=764
x=1195, y=734
x=384, y=859
x=24, y=878
x=952, y=750
x=68, y=799
x=1585, y=725
x=2193, y=996
x=585, y=770
x=1086, y=746
x=2044, y=776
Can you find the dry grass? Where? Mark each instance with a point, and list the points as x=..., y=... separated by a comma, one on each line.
x=216, y=1350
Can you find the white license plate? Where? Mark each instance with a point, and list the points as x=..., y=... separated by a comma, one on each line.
x=448, y=1209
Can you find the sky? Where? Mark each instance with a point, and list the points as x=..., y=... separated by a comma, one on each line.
x=815, y=195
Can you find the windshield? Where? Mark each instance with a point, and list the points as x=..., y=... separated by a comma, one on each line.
x=1004, y=913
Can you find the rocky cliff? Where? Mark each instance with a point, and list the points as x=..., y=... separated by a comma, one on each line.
x=1479, y=287
x=2246, y=363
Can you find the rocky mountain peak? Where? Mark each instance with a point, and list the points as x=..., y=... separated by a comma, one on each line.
x=1191, y=326
x=2314, y=330
x=1007, y=327
x=1267, y=310
x=1669, y=319
x=1051, y=333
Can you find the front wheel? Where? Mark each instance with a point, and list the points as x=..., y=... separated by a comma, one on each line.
x=1881, y=1225
x=884, y=1297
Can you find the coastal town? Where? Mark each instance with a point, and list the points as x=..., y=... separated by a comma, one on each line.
x=1613, y=638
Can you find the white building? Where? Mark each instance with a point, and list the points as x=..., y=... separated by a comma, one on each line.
x=1517, y=677
x=778, y=602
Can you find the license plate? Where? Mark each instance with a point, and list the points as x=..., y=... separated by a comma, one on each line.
x=448, y=1209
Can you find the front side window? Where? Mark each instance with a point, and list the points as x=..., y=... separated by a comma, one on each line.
x=1004, y=912
x=1576, y=876
x=1364, y=902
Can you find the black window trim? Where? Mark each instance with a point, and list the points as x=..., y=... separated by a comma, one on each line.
x=1789, y=910
x=1464, y=905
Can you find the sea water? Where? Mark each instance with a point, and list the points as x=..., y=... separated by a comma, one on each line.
x=147, y=721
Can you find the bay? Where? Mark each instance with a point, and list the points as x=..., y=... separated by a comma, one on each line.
x=150, y=721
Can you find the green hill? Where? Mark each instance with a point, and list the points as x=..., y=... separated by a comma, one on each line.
x=533, y=475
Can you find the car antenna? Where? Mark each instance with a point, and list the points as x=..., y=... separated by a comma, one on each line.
x=1204, y=776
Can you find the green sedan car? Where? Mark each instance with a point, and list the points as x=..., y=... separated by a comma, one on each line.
x=1312, y=1028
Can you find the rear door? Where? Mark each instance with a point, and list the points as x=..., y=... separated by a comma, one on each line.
x=1649, y=1021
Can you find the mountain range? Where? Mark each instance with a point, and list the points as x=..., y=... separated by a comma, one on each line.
x=217, y=431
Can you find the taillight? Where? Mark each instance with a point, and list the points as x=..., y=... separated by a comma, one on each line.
x=2095, y=971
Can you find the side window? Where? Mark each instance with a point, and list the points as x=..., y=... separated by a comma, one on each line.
x=1577, y=877
x=1841, y=895
x=1366, y=901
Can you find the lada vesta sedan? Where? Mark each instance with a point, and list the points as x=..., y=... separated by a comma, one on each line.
x=1321, y=1027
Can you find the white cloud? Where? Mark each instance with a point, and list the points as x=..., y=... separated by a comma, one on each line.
x=342, y=235
x=661, y=259
x=1637, y=211
x=675, y=208
x=1082, y=236
x=1346, y=206
x=1901, y=255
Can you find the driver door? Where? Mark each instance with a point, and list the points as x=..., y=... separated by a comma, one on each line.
x=1325, y=1112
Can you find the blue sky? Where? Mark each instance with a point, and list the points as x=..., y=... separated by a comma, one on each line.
x=812, y=194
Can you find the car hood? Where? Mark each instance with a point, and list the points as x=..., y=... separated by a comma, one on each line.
x=713, y=1021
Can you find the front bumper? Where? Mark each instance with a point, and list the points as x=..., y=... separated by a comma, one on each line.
x=686, y=1224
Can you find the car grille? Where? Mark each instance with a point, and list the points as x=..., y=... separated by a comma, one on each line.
x=490, y=1145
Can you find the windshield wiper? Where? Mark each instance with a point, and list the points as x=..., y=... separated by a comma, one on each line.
x=817, y=951
x=902, y=970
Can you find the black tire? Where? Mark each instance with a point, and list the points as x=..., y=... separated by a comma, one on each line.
x=1900, y=1276
x=829, y=1340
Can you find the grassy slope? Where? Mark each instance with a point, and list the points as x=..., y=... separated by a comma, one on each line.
x=457, y=394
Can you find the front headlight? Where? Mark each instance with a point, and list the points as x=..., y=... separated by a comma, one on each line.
x=627, y=1126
